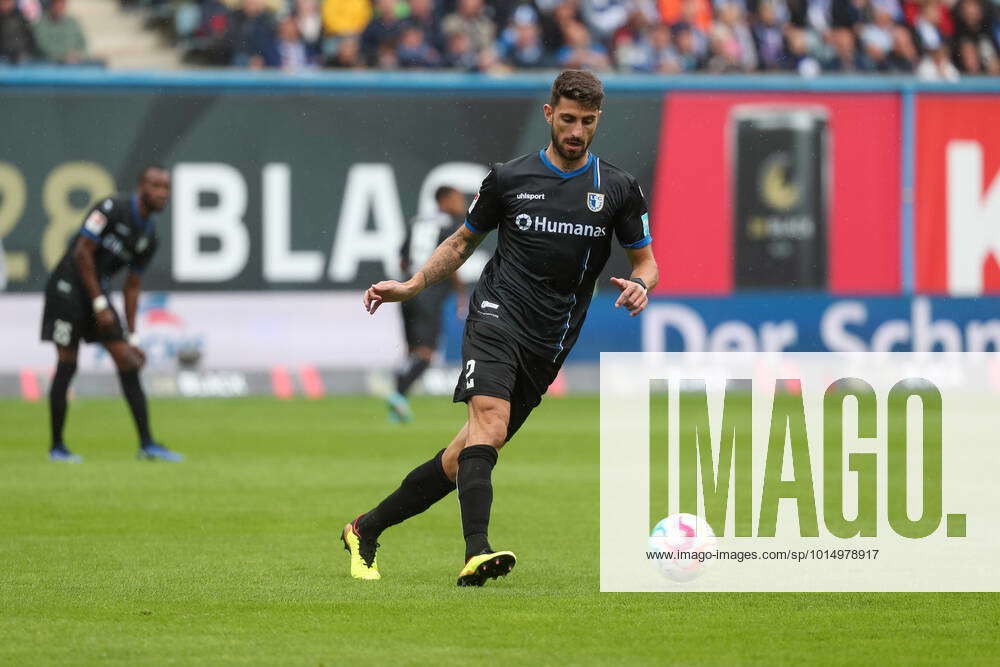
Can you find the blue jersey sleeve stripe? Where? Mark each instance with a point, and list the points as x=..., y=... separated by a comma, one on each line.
x=472, y=228
x=90, y=235
x=641, y=243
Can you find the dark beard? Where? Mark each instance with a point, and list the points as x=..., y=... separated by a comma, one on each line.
x=149, y=205
x=558, y=148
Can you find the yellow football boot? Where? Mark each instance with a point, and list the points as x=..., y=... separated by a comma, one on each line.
x=364, y=564
x=485, y=566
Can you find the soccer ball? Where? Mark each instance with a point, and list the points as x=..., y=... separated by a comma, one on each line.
x=676, y=543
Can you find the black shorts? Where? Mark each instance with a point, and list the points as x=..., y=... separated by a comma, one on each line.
x=422, y=322
x=495, y=364
x=68, y=317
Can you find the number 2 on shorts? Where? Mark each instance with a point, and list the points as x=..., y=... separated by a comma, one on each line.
x=470, y=368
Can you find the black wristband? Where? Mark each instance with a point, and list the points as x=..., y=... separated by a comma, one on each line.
x=639, y=280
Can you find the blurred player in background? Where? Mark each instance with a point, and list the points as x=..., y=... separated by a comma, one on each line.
x=556, y=211
x=422, y=314
x=118, y=232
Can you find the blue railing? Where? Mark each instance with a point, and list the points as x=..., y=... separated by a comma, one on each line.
x=447, y=82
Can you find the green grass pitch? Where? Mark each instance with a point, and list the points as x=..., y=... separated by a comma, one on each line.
x=234, y=557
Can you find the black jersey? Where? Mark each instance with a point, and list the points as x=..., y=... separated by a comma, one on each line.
x=555, y=231
x=123, y=239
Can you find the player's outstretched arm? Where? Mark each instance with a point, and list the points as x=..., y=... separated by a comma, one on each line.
x=446, y=259
x=644, y=276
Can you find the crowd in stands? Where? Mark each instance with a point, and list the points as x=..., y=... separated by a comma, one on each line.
x=31, y=32
x=936, y=39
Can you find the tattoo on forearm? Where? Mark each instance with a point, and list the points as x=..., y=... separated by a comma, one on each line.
x=448, y=257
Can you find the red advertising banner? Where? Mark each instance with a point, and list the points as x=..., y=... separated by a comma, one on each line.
x=817, y=178
x=957, y=194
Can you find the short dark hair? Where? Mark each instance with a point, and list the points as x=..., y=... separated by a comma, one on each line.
x=148, y=168
x=580, y=86
x=442, y=192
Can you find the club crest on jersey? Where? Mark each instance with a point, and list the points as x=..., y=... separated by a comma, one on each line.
x=95, y=223
x=595, y=201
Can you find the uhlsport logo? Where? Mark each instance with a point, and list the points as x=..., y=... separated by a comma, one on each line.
x=541, y=223
x=595, y=201
x=530, y=195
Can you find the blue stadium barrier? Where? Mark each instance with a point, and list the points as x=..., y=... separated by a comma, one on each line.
x=446, y=82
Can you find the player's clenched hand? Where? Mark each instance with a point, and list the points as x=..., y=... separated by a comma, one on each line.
x=633, y=296
x=387, y=291
x=139, y=355
x=105, y=320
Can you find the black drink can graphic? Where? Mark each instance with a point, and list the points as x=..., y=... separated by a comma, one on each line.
x=779, y=159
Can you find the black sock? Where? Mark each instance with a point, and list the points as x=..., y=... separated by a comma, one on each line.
x=136, y=399
x=425, y=485
x=410, y=373
x=475, y=495
x=58, y=405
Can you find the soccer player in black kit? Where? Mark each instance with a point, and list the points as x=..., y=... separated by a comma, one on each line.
x=118, y=232
x=422, y=314
x=556, y=212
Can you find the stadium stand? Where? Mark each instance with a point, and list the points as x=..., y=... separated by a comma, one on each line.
x=930, y=38
x=934, y=39
x=81, y=33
